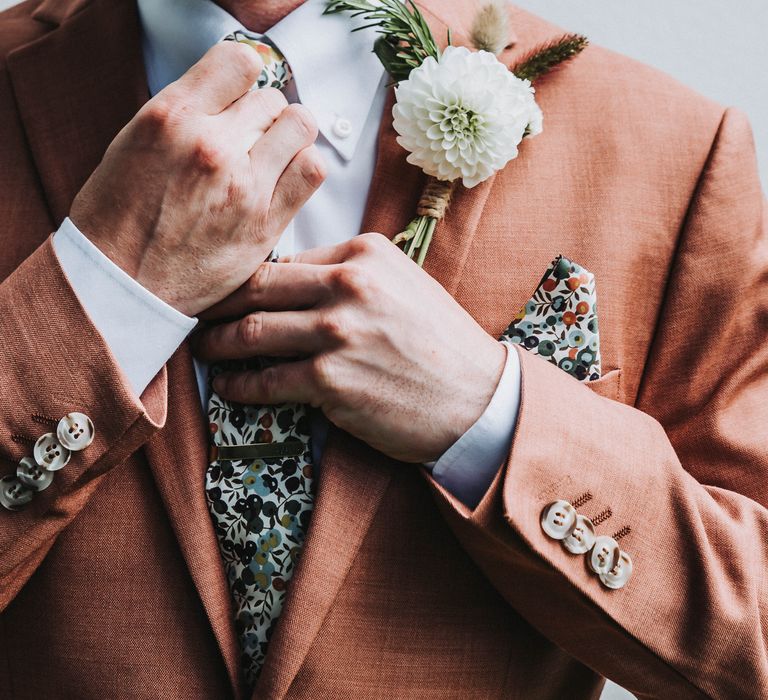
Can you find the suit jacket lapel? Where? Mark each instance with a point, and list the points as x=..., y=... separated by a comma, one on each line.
x=394, y=194
x=76, y=87
x=178, y=456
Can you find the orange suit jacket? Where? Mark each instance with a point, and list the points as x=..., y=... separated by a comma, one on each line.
x=111, y=584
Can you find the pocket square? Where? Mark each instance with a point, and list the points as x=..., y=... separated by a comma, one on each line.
x=559, y=323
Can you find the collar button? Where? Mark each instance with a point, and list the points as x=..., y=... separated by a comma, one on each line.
x=342, y=128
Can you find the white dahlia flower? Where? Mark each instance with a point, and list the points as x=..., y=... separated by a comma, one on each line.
x=464, y=115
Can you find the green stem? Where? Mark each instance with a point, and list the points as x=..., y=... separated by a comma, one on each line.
x=431, y=224
x=422, y=229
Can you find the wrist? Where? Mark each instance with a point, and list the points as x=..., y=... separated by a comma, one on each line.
x=478, y=386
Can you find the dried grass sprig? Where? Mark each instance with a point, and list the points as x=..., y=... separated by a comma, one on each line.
x=545, y=58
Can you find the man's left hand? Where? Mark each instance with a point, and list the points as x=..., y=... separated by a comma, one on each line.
x=372, y=340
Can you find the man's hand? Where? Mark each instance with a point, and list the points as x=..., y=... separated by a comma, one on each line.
x=195, y=191
x=374, y=341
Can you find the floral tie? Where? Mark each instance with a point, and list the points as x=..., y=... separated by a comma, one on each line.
x=259, y=485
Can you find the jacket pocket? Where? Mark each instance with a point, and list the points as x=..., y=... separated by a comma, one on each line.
x=608, y=386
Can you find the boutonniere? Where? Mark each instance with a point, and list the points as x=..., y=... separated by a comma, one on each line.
x=460, y=114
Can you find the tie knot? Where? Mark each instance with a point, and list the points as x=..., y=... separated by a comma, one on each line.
x=276, y=72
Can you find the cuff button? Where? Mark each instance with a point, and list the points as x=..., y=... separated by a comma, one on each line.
x=50, y=454
x=32, y=475
x=581, y=540
x=13, y=494
x=621, y=572
x=605, y=554
x=75, y=431
x=558, y=520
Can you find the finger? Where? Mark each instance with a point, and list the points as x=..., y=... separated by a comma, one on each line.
x=325, y=255
x=249, y=117
x=226, y=72
x=289, y=382
x=363, y=244
x=300, y=180
x=275, y=288
x=293, y=131
x=276, y=333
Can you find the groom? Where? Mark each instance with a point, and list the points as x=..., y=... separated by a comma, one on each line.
x=431, y=565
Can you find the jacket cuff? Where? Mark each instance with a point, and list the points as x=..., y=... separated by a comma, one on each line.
x=61, y=364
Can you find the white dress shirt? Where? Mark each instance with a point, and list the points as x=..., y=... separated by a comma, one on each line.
x=338, y=78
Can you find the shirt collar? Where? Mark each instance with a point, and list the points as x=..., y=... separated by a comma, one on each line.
x=335, y=71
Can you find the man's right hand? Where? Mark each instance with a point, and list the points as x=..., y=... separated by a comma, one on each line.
x=195, y=191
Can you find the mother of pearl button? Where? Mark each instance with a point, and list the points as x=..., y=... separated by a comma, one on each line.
x=558, y=520
x=605, y=554
x=582, y=538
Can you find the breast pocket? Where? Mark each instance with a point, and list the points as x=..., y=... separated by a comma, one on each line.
x=608, y=386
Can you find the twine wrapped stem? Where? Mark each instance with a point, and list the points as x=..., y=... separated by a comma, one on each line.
x=432, y=207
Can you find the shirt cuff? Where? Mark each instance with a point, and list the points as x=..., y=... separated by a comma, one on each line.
x=469, y=466
x=141, y=330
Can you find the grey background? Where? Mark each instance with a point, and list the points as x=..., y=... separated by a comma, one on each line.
x=716, y=47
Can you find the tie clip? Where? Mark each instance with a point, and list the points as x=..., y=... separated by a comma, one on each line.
x=259, y=450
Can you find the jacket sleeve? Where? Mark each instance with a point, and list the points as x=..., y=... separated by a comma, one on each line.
x=54, y=362
x=682, y=475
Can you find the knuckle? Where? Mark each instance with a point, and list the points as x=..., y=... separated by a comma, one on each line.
x=269, y=380
x=243, y=387
x=312, y=167
x=158, y=115
x=372, y=242
x=333, y=327
x=259, y=282
x=302, y=121
x=321, y=373
x=249, y=330
x=349, y=280
x=206, y=156
x=360, y=245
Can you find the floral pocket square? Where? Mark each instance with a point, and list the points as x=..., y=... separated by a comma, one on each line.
x=559, y=323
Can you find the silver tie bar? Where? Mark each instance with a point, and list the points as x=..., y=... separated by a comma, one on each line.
x=259, y=450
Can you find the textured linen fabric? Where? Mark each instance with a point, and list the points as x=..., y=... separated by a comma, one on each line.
x=402, y=591
x=336, y=76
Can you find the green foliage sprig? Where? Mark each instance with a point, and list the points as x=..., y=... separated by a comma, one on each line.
x=405, y=40
x=543, y=59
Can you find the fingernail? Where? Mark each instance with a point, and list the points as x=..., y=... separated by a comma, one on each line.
x=219, y=383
